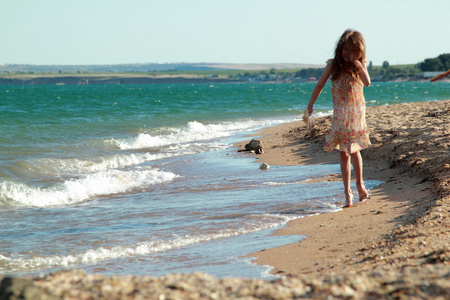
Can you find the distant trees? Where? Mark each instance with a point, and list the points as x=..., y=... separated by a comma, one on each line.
x=385, y=72
x=388, y=72
x=309, y=72
x=440, y=63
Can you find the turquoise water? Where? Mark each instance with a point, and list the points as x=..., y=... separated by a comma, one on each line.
x=143, y=179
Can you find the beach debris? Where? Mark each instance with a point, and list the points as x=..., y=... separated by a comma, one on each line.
x=264, y=166
x=253, y=146
x=307, y=119
x=437, y=114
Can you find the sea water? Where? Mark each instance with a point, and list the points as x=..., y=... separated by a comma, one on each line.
x=144, y=179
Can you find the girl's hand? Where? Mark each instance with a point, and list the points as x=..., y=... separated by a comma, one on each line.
x=310, y=109
x=364, y=75
x=358, y=64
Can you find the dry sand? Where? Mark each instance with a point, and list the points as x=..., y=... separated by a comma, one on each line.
x=394, y=246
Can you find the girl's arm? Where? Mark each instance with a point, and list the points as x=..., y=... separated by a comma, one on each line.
x=319, y=87
x=363, y=73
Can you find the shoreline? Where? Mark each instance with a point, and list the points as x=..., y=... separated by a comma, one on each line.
x=395, y=246
x=413, y=182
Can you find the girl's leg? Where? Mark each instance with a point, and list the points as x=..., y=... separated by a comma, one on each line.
x=346, y=172
x=358, y=169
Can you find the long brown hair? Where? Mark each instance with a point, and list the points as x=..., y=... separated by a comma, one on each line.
x=353, y=40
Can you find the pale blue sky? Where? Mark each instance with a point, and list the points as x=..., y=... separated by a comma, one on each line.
x=217, y=31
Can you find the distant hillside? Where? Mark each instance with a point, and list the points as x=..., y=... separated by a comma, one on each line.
x=89, y=79
x=149, y=67
x=259, y=67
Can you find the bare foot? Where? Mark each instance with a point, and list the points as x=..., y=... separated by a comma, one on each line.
x=348, y=199
x=362, y=192
x=364, y=198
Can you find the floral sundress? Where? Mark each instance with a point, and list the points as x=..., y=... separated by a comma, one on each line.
x=349, y=131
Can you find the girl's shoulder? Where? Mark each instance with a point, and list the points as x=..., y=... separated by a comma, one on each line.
x=330, y=61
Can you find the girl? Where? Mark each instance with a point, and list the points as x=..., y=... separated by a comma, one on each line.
x=349, y=133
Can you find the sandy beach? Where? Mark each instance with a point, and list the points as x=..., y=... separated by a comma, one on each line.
x=410, y=154
x=394, y=246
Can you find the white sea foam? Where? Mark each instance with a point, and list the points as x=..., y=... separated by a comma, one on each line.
x=15, y=264
x=103, y=175
x=284, y=183
x=192, y=132
x=322, y=114
x=57, y=167
x=79, y=190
